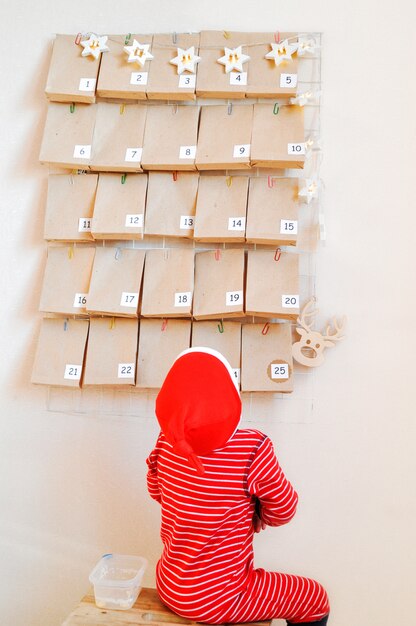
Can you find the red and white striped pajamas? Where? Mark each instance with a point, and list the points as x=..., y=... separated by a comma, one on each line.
x=206, y=572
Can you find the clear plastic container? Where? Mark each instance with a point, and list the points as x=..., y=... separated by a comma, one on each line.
x=117, y=580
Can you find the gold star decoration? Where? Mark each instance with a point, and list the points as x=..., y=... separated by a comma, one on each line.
x=233, y=59
x=186, y=60
x=94, y=46
x=281, y=52
x=138, y=53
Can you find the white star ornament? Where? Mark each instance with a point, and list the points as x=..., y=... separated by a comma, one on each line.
x=281, y=52
x=233, y=59
x=186, y=60
x=94, y=46
x=138, y=53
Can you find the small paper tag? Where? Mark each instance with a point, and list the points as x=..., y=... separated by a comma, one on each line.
x=288, y=227
x=87, y=84
x=82, y=152
x=129, y=299
x=238, y=78
x=279, y=370
x=296, y=148
x=290, y=301
x=138, y=78
x=134, y=220
x=187, y=152
x=241, y=150
x=80, y=301
x=72, y=372
x=288, y=80
x=237, y=223
x=236, y=374
x=126, y=370
x=187, y=222
x=187, y=81
x=84, y=225
x=183, y=298
x=233, y=298
x=133, y=155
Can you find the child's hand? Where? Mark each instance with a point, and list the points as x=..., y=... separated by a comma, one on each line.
x=258, y=523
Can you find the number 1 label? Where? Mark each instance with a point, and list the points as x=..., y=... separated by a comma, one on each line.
x=87, y=84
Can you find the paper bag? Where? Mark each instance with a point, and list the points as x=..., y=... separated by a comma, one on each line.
x=278, y=136
x=67, y=137
x=221, y=208
x=170, y=137
x=272, y=211
x=60, y=352
x=66, y=280
x=115, y=281
x=71, y=77
x=170, y=205
x=69, y=207
x=272, y=286
x=122, y=79
x=118, y=137
x=266, y=358
x=225, y=337
x=164, y=81
x=119, y=206
x=224, y=137
x=168, y=283
x=219, y=284
x=160, y=342
x=111, y=352
x=265, y=78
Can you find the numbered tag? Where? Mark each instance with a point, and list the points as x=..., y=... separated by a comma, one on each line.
x=238, y=78
x=84, y=225
x=133, y=155
x=138, y=78
x=183, y=298
x=187, y=152
x=288, y=80
x=134, y=220
x=241, y=151
x=187, y=82
x=129, y=299
x=237, y=223
x=290, y=301
x=296, y=148
x=72, y=372
x=279, y=370
x=82, y=152
x=80, y=301
x=288, y=227
x=236, y=374
x=187, y=222
x=233, y=298
x=126, y=370
x=87, y=84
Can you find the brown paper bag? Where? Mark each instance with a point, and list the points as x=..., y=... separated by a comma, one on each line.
x=118, y=78
x=118, y=137
x=160, y=342
x=69, y=207
x=225, y=337
x=224, y=137
x=272, y=211
x=66, y=280
x=164, y=81
x=60, y=352
x=170, y=137
x=115, y=281
x=272, y=285
x=71, y=77
x=67, y=137
x=111, y=352
x=278, y=136
x=219, y=284
x=119, y=206
x=265, y=78
x=266, y=358
x=168, y=283
x=170, y=205
x=221, y=208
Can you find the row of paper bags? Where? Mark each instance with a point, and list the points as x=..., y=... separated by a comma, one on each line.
x=183, y=204
x=117, y=351
x=76, y=78
x=134, y=137
x=171, y=282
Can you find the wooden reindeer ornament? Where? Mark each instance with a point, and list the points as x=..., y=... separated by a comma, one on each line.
x=309, y=350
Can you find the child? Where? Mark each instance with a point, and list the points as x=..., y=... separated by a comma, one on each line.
x=218, y=485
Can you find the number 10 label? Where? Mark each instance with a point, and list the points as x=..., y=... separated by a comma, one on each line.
x=296, y=148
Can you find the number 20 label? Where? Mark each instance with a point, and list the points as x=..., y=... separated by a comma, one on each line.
x=290, y=301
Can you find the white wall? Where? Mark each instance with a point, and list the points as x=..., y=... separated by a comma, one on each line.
x=72, y=487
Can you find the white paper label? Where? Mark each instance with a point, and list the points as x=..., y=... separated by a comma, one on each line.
x=241, y=150
x=133, y=155
x=129, y=299
x=80, y=301
x=233, y=298
x=187, y=81
x=237, y=223
x=84, y=225
x=288, y=227
x=138, y=78
x=72, y=372
x=183, y=298
x=290, y=301
x=238, y=78
x=87, y=84
x=280, y=370
x=288, y=80
x=296, y=148
x=134, y=220
x=187, y=152
x=187, y=222
x=236, y=374
x=82, y=152
x=126, y=370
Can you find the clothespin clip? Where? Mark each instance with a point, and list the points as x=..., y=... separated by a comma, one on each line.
x=229, y=180
x=276, y=108
x=220, y=327
x=265, y=328
x=174, y=38
x=72, y=107
x=66, y=324
x=226, y=34
x=127, y=39
x=230, y=108
x=217, y=254
x=122, y=108
x=277, y=37
x=164, y=324
x=123, y=178
x=175, y=176
x=78, y=39
x=112, y=323
x=117, y=254
x=270, y=182
x=70, y=252
x=174, y=109
x=277, y=254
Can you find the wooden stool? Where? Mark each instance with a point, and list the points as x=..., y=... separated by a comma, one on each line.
x=148, y=609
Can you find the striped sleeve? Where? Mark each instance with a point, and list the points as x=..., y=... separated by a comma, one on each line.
x=152, y=477
x=267, y=482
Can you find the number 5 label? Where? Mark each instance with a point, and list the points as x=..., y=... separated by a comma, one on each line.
x=288, y=80
x=241, y=150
